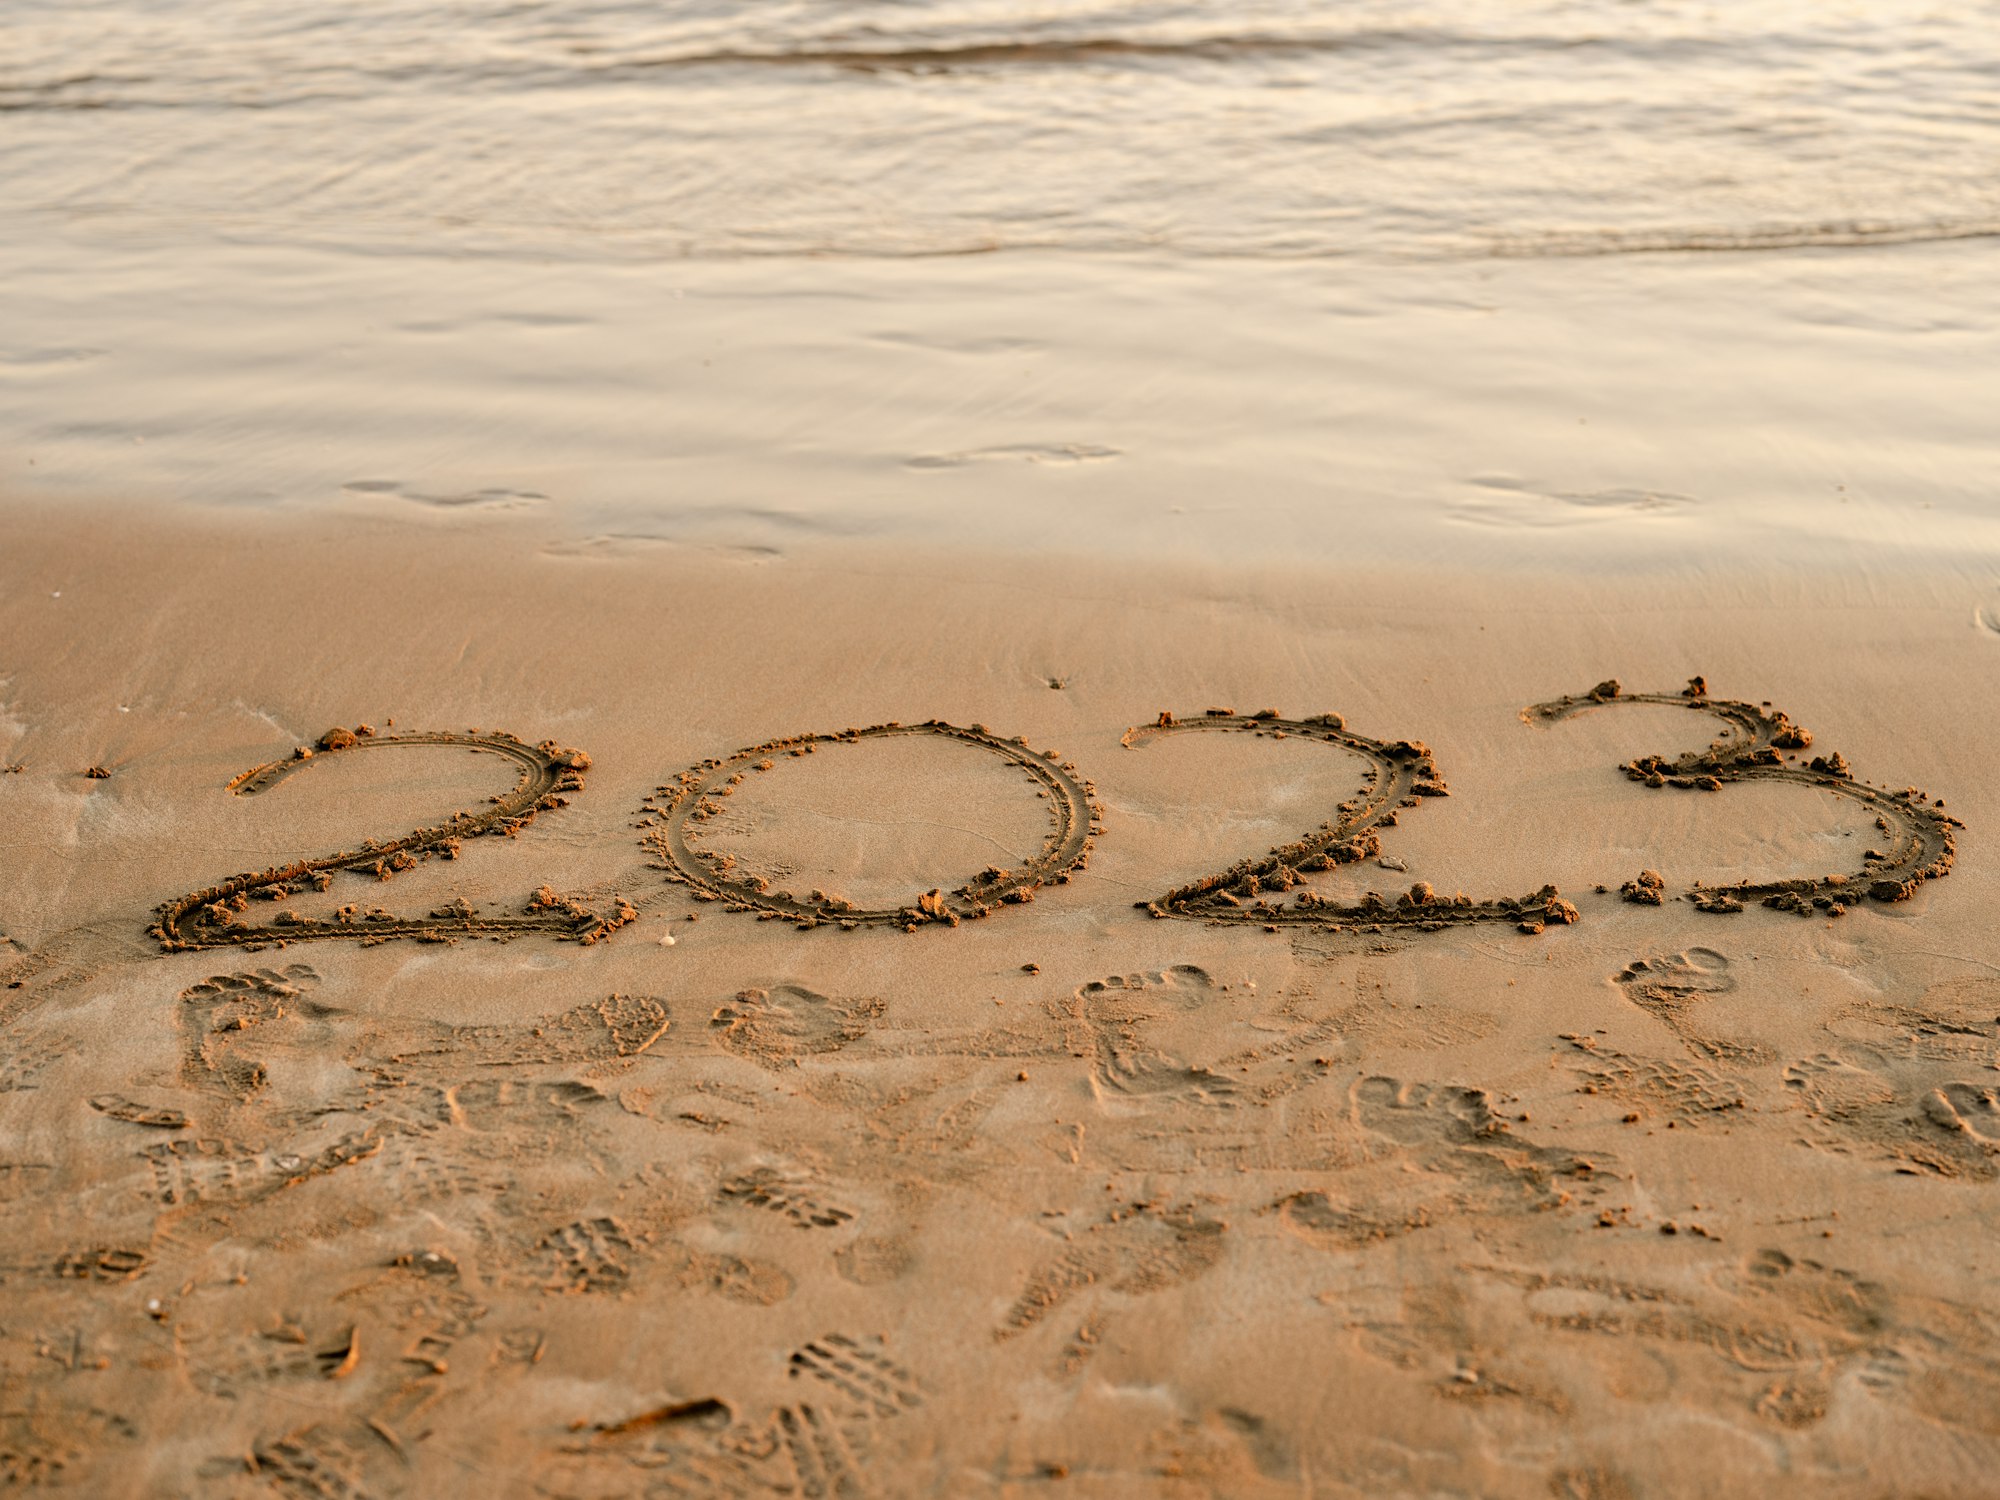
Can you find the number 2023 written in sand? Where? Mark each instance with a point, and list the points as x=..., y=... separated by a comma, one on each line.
x=1755, y=744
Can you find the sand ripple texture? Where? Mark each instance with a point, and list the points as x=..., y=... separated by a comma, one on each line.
x=960, y=126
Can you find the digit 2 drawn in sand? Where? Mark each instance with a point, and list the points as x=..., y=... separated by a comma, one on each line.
x=1760, y=744
x=1398, y=775
x=211, y=918
x=682, y=805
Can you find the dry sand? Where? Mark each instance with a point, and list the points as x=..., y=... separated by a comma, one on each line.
x=616, y=1190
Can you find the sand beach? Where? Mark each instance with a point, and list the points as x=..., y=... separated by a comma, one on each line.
x=675, y=826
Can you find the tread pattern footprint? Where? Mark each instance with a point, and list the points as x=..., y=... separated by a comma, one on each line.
x=1690, y=1094
x=819, y=1444
x=768, y=1188
x=859, y=1371
x=589, y=1255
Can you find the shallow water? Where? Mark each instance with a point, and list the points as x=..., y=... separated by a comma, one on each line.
x=1463, y=127
x=1290, y=282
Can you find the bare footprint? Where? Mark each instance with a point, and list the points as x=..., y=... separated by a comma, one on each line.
x=217, y=1012
x=1114, y=1012
x=1424, y=1114
x=1673, y=987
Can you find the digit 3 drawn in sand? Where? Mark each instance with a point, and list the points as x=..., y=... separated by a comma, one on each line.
x=682, y=806
x=1761, y=744
x=212, y=918
x=1398, y=774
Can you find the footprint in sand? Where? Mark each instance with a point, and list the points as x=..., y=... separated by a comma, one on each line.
x=1973, y=1108
x=1809, y=1289
x=589, y=1255
x=1957, y=1020
x=843, y=1389
x=1133, y=1250
x=218, y=1012
x=859, y=1372
x=1672, y=987
x=793, y=1198
x=1424, y=1114
x=1452, y=1155
x=874, y=1260
x=1692, y=971
x=1113, y=1012
x=1835, y=1089
x=773, y=1026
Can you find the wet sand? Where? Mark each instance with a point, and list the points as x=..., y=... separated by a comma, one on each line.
x=724, y=1129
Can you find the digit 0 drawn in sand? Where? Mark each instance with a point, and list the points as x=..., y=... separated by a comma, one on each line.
x=676, y=811
x=1399, y=774
x=1759, y=743
x=212, y=917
